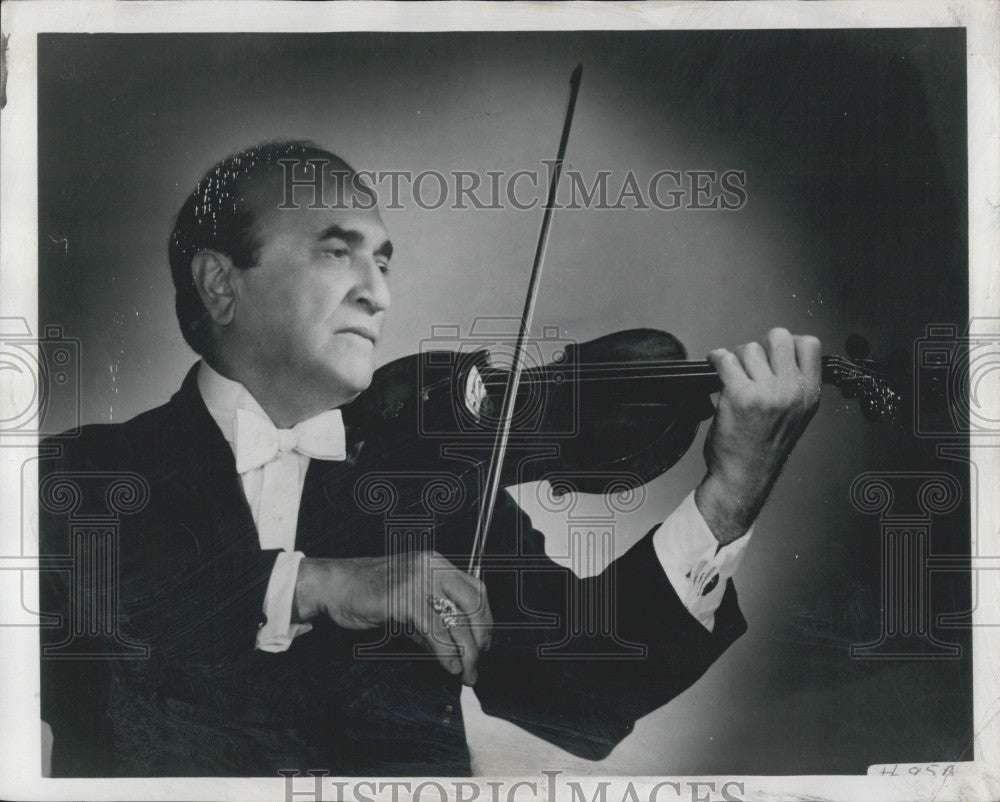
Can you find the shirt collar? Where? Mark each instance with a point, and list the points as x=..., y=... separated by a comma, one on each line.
x=223, y=397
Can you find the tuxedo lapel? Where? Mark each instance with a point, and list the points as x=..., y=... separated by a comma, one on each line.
x=328, y=521
x=200, y=462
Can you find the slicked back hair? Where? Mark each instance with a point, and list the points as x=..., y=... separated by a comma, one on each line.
x=217, y=216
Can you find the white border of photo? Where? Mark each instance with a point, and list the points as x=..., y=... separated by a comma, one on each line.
x=20, y=728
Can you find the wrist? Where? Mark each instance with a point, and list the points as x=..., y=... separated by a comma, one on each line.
x=729, y=508
x=306, y=601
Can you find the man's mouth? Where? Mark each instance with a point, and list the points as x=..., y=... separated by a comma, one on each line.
x=361, y=331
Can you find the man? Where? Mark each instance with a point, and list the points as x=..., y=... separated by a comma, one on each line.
x=259, y=616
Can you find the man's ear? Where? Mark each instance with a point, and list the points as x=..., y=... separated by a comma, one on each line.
x=211, y=273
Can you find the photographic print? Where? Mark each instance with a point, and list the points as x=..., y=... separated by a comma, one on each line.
x=406, y=402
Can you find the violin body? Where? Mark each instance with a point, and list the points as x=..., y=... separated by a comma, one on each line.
x=593, y=417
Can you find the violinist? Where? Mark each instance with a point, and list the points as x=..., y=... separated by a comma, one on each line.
x=281, y=627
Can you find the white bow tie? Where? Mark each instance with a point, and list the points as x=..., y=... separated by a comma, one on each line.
x=256, y=441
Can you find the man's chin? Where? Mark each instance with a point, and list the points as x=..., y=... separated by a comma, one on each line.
x=348, y=385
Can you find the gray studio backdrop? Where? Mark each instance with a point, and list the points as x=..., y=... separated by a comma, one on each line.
x=853, y=148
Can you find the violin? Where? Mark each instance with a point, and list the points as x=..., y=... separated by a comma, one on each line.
x=624, y=407
x=627, y=403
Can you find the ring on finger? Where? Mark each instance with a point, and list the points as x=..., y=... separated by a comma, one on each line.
x=446, y=609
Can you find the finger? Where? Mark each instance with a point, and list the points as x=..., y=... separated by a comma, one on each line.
x=754, y=361
x=729, y=368
x=454, y=628
x=807, y=355
x=780, y=350
x=463, y=639
x=470, y=596
x=436, y=638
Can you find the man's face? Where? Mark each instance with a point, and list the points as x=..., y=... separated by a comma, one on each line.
x=309, y=313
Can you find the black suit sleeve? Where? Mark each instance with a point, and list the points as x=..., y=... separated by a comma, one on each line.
x=622, y=643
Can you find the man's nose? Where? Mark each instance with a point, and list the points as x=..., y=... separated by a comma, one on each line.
x=371, y=289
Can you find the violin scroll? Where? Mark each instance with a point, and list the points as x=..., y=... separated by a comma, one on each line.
x=879, y=387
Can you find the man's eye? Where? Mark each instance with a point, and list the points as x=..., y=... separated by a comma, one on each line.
x=384, y=267
x=337, y=253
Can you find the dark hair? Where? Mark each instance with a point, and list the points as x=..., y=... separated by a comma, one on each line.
x=217, y=216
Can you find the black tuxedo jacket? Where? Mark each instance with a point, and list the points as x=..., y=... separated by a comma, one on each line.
x=149, y=667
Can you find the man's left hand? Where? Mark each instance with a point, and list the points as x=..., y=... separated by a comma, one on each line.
x=770, y=392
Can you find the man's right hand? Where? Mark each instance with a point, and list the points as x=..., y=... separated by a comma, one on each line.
x=366, y=592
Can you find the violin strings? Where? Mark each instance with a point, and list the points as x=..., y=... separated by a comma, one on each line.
x=841, y=368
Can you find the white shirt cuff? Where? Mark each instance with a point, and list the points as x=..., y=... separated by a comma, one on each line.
x=278, y=632
x=693, y=561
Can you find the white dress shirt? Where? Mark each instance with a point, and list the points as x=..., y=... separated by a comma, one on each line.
x=285, y=476
x=696, y=566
